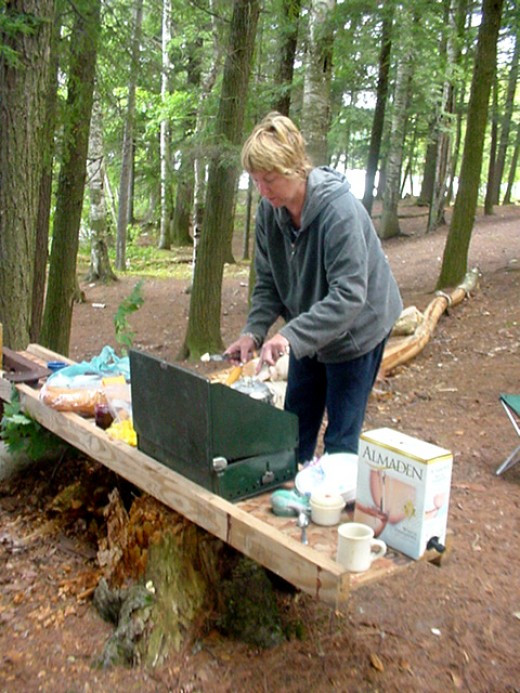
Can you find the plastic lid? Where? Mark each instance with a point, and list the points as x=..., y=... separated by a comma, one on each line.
x=325, y=499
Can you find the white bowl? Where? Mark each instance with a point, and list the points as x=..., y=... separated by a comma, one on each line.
x=336, y=473
x=340, y=473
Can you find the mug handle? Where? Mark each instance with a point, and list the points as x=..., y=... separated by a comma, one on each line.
x=377, y=549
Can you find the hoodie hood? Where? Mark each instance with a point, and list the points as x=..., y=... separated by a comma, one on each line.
x=324, y=184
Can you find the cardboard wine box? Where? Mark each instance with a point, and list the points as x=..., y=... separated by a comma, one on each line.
x=403, y=490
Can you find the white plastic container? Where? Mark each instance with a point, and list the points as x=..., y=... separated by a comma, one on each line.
x=326, y=508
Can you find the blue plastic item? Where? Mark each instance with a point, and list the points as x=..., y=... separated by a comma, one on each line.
x=105, y=363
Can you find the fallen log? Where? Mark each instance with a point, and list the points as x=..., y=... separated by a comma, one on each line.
x=402, y=350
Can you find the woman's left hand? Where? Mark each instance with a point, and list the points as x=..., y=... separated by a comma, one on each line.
x=272, y=350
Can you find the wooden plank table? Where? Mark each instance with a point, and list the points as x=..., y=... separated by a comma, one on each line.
x=249, y=526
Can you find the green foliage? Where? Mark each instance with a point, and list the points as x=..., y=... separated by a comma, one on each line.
x=24, y=435
x=12, y=24
x=124, y=334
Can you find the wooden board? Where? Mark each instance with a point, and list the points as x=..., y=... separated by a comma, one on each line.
x=249, y=526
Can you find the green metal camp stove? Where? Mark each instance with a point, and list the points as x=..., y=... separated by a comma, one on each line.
x=222, y=439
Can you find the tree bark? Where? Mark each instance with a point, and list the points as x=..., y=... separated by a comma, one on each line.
x=455, y=257
x=380, y=108
x=444, y=126
x=283, y=77
x=488, y=200
x=126, y=159
x=200, y=168
x=389, y=224
x=430, y=162
x=164, y=136
x=315, y=119
x=512, y=168
x=24, y=83
x=62, y=283
x=203, y=332
x=184, y=199
x=44, y=206
x=506, y=121
x=461, y=18
x=100, y=268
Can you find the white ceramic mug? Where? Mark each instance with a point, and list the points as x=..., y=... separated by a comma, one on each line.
x=357, y=547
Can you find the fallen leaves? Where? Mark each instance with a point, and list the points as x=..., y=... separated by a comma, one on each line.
x=375, y=661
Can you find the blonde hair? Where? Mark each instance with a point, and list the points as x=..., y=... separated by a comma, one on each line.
x=276, y=144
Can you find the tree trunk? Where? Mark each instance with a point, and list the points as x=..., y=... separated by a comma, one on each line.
x=247, y=222
x=443, y=157
x=462, y=17
x=184, y=199
x=44, y=206
x=283, y=78
x=24, y=83
x=203, y=332
x=389, y=224
x=506, y=121
x=126, y=159
x=100, y=269
x=199, y=169
x=164, y=137
x=512, y=169
x=183, y=203
x=380, y=108
x=455, y=257
x=62, y=282
x=315, y=119
x=488, y=200
x=430, y=163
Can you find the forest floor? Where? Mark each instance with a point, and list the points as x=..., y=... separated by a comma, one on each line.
x=453, y=627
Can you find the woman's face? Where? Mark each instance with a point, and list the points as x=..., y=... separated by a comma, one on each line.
x=279, y=190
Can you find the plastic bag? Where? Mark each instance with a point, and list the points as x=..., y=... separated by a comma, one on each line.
x=80, y=387
x=105, y=363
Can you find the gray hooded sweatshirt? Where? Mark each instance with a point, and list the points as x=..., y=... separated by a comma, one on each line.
x=330, y=280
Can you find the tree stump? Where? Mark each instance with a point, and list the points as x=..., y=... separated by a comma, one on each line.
x=167, y=582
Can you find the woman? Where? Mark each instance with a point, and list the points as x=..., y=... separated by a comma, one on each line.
x=320, y=266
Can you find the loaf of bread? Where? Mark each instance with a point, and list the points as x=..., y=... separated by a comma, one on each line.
x=81, y=401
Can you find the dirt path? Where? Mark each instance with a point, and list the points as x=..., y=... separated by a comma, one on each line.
x=456, y=627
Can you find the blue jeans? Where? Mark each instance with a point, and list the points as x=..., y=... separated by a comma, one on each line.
x=342, y=389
